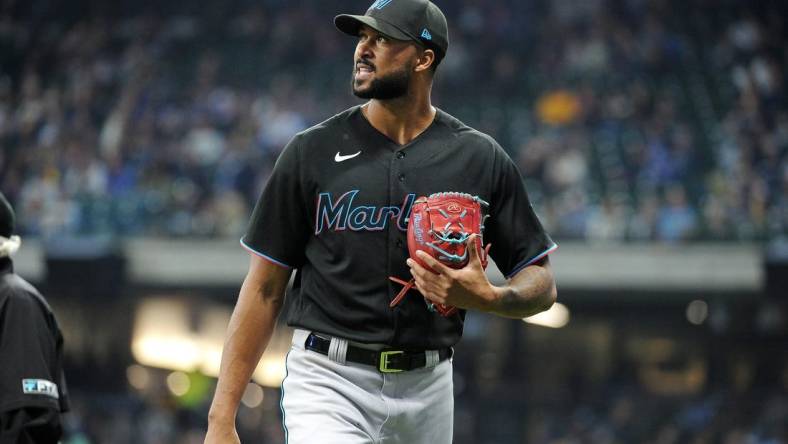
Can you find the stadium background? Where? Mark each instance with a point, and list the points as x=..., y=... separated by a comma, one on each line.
x=653, y=136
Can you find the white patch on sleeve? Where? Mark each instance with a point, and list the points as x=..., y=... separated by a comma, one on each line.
x=40, y=387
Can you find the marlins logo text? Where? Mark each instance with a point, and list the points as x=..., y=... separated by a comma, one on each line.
x=341, y=214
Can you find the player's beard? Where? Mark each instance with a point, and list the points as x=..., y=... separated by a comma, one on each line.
x=390, y=86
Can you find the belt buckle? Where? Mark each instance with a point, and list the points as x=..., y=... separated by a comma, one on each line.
x=384, y=361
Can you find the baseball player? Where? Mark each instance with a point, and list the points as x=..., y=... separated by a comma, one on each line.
x=336, y=210
x=32, y=385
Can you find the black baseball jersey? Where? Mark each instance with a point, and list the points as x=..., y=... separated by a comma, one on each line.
x=336, y=208
x=31, y=348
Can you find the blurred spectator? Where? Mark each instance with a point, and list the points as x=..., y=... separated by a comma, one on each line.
x=676, y=220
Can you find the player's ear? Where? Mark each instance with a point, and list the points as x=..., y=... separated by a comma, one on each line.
x=425, y=60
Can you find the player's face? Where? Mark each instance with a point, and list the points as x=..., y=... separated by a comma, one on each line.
x=382, y=66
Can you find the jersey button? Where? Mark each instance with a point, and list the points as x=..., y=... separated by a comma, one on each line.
x=399, y=243
x=401, y=178
x=400, y=154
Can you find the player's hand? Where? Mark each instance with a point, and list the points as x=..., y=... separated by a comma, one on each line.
x=218, y=434
x=467, y=287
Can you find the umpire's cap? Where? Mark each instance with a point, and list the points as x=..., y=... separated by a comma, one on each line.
x=418, y=20
x=7, y=218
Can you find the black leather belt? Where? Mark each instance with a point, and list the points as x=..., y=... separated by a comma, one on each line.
x=386, y=361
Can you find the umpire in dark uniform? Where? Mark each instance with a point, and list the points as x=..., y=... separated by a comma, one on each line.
x=32, y=385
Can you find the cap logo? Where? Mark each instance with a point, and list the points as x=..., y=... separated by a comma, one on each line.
x=380, y=4
x=425, y=34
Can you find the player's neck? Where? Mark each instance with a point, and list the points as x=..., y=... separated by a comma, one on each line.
x=402, y=119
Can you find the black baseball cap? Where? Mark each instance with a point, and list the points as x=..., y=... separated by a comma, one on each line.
x=418, y=20
x=7, y=218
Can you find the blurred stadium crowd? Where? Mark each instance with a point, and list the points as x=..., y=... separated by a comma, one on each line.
x=629, y=120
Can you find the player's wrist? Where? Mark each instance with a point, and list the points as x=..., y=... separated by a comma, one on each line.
x=491, y=298
x=221, y=417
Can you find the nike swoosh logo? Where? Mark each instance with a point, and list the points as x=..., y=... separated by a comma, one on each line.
x=341, y=158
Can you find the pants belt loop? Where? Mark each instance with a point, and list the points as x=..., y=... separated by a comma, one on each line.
x=432, y=358
x=299, y=337
x=337, y=351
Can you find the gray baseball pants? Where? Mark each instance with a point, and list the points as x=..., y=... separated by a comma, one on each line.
x=324, y=401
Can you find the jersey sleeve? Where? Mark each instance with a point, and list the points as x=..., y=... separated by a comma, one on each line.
x=278, y=229
x=30, y=339
x=515, y=232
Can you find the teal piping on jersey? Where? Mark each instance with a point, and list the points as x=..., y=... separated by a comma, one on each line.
x=282, y=398
x=539, y=256
x=264, y=256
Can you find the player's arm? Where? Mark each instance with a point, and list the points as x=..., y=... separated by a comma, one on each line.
x=251, y=326
x=532, y=290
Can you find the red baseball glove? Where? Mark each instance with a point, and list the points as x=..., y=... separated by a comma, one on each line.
x=440, y=225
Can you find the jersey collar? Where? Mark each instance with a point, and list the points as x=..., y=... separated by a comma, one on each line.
x=370, y=131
